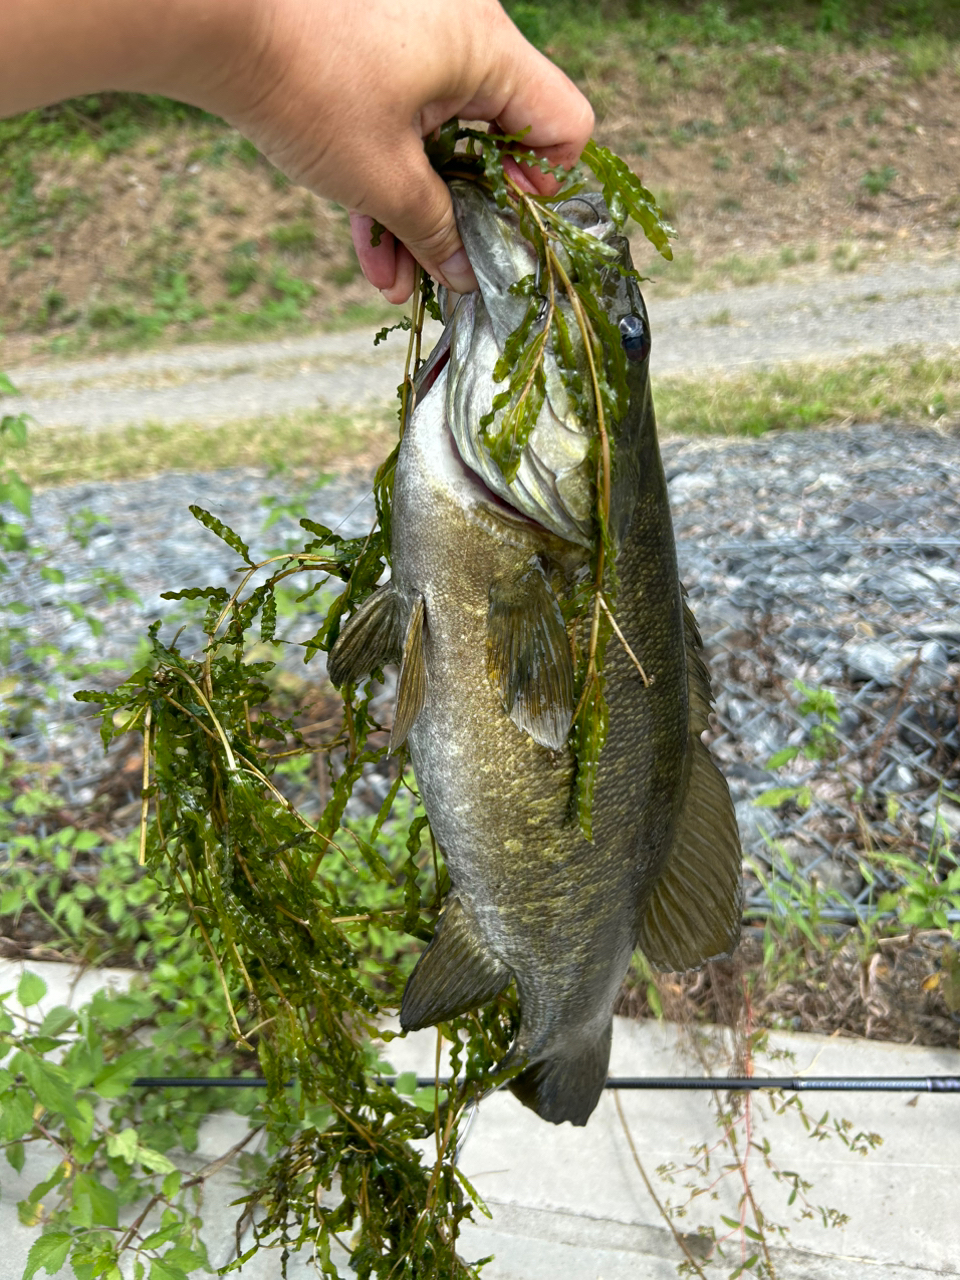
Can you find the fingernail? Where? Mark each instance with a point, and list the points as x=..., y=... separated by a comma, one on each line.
x=458, y=273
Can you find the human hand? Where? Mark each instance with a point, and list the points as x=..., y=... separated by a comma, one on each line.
x=338, y=94
x=343, y=94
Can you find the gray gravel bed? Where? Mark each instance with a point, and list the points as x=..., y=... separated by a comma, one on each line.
x=828, y=557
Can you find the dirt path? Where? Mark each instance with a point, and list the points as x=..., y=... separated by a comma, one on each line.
x=824, y=318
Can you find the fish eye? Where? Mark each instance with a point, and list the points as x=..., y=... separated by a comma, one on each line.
x=634, y=338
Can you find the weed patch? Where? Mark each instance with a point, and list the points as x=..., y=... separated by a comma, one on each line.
x=876, y=181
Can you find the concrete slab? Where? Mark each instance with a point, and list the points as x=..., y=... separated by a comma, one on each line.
x=579, y=1192
x=572, y=1203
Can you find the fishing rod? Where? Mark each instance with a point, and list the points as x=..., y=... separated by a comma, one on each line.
x=722, y=1084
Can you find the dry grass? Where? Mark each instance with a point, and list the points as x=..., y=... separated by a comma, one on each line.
x=898, y=990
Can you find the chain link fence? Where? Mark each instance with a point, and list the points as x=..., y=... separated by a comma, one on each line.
x=831, y=562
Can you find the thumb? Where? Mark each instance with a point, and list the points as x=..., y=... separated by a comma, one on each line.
x=412, y=201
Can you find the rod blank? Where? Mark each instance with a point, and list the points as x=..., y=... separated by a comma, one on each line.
x=722, y=1084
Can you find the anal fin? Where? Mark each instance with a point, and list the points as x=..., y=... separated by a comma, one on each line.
x=370, y=638
x=457, y=972
x=694, y=913
x=528, y=655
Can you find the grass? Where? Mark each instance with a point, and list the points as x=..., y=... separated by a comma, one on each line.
x=923, y=24
x=113, y=327
x=310, y=438
x=904, y=387
x=876, y=181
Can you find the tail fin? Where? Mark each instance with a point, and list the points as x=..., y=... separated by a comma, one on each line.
x=563, y=1088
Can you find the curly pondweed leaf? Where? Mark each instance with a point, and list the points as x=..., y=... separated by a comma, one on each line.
x=626, y=196
x=381, y=335
x=224, y=532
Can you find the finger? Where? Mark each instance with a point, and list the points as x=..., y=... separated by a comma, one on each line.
x=377, y=262
x=402, y=286
x=413, y=201
x=558, y=118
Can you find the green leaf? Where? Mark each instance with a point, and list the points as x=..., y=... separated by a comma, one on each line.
x=16, y=491
x=188, y=1259
x=49, y=1252
x=16, y=1115
x=6, y=386
x=31, y=989
x=104, y=1203
x=406, y=1083
x=155, y=1161
x=16, y=427
x=53, y=1086
x=775, y=797
x=123, y=1145
x=15, y=1155
x=163, y=1270
x=116, y=1077
x=57, y=1021
x=172, y=1231
x=224, y=532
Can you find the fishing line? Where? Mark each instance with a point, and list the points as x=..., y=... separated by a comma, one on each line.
x=722, y=1084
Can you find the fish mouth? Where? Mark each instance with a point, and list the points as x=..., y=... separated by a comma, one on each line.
x=434, y=365
x=423, y=385
x=552, y=482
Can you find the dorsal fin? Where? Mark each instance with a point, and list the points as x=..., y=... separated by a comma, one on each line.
x=457, y=972
x=412, y=683
x=528, y=655
x=694, y=913
x=698, y=678
x=372, y=637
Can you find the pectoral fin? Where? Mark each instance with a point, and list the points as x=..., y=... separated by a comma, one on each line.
x=694, y=914
x=372, y=637
x=457, y=972
x=412, y=684
x=528, y=656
